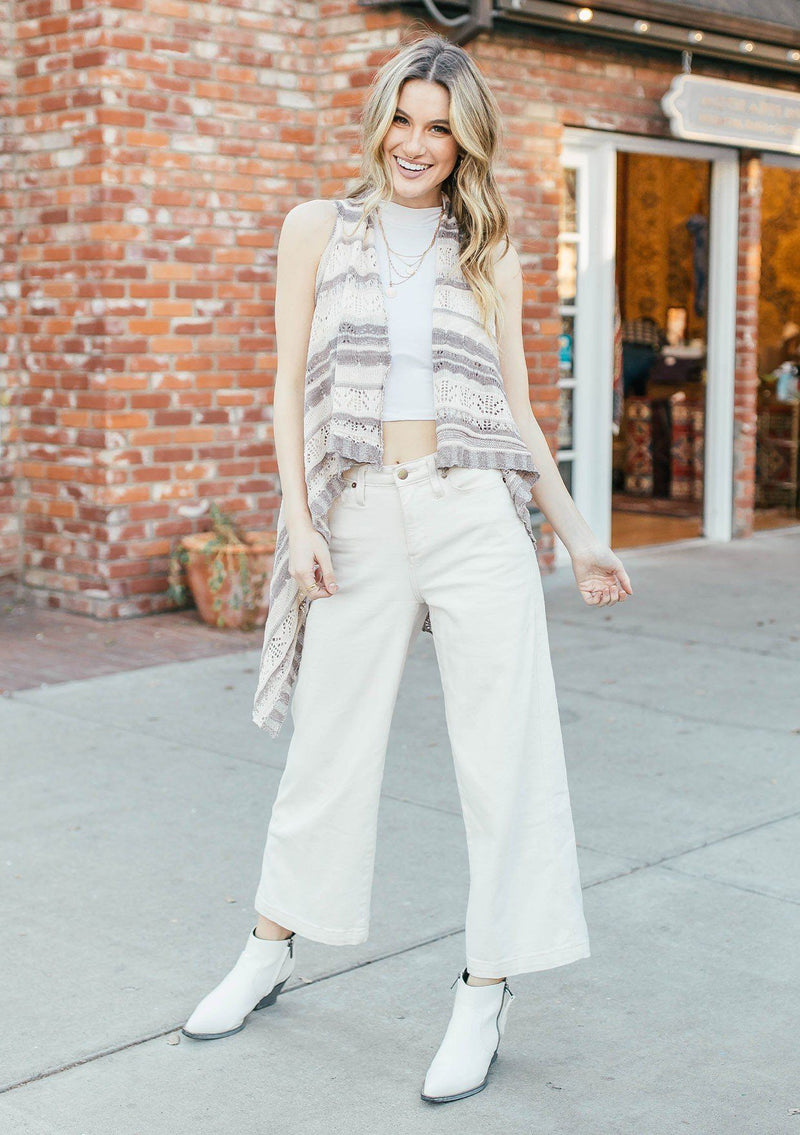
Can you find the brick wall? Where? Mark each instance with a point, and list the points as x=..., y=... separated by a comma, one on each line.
x=56, y=260
x=746, y=376
x=10, y=542
x=162, y=143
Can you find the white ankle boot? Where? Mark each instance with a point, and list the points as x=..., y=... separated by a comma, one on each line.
x=469, y=1048
x=263, y=968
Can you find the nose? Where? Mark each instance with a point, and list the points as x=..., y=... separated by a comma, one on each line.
x=415, y=145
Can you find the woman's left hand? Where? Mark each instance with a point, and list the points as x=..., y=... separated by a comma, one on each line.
x=601, y=578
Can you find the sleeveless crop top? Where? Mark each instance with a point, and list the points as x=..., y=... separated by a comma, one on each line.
x=408, y=388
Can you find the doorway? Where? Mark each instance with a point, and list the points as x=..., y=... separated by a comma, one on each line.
x=661, y=335
x=614, y=269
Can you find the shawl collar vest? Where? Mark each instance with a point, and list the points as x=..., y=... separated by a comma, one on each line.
x=347, y=362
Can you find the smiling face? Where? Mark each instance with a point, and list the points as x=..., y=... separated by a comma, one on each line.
x=419, y=147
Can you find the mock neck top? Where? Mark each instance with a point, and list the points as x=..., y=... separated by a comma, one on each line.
x=408, y=388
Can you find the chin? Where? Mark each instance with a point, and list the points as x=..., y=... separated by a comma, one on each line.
x=416, y=189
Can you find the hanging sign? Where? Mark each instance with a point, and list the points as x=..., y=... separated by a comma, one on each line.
x=735, y=114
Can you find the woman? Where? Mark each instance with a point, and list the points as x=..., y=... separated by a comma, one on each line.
x=408, y=451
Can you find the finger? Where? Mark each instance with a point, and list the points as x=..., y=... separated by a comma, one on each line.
x=328, y=576
x=308, y=584
x=622, y=576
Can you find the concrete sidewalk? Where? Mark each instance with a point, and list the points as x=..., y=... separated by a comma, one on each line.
x=135, y=810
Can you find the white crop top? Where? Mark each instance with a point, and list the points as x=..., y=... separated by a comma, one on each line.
x=408, y=389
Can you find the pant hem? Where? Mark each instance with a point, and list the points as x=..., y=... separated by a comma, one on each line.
x=310, y=930
x=530, y=963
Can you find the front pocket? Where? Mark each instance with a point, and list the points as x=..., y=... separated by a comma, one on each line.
x=352, y=494
x=347, y=498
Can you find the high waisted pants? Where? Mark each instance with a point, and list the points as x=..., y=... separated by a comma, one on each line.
x=403, y=537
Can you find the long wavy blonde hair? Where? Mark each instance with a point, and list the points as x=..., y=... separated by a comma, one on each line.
x=475, y=123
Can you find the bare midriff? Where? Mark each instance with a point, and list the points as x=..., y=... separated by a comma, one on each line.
x=407, y=440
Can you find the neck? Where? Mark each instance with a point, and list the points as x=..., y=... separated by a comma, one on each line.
x=433, y=200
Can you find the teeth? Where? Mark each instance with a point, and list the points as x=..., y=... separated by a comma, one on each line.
x=408, y=165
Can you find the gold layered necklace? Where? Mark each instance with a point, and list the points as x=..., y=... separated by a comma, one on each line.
x=399, y=277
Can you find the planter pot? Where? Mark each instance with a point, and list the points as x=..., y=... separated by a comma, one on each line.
x=230, y=583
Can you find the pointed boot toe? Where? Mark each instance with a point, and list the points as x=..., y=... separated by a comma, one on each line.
x=461, y=1065
x=260, y=973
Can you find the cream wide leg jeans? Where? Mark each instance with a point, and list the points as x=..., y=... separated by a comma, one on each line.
x=403, y=537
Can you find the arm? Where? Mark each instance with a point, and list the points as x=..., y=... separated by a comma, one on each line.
x=600, y=575
x=304, y=234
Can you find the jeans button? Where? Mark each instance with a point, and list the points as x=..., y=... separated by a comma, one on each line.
x=402, y=474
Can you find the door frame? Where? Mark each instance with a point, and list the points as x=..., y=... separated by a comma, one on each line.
x=596, y=151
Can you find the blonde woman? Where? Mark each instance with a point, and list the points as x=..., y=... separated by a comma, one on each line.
x=408, y=453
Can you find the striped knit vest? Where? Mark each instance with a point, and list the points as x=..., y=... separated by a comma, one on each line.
x=348, y=358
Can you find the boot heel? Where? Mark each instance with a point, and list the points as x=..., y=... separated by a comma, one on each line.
x=271, y=996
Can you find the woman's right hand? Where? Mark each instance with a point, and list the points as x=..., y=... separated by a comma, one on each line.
x=310, y=563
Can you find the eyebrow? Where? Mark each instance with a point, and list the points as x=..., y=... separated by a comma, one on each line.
x=433, y=122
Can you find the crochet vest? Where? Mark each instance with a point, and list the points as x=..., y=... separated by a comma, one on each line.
x=347, y=361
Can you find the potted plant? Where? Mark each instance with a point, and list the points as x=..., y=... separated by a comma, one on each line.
x=228, y=572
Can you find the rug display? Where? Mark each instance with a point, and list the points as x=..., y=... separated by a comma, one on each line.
x=687, y=415
x=777, y=455
x=638, y=446
x=664, y=446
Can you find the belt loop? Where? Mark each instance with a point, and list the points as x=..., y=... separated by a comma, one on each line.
x=435, y=476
